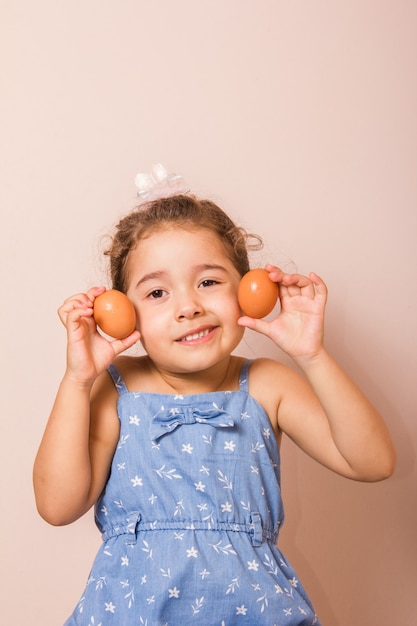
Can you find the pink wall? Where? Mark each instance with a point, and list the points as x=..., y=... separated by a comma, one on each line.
x=300, y=118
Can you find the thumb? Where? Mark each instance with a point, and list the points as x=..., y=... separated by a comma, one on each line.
x=258, y=325
x=120, y=345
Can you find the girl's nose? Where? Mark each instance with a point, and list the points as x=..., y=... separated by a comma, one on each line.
x=188, y=307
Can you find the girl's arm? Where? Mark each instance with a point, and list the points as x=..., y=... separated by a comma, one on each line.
x=326, y=414
x=75, y=453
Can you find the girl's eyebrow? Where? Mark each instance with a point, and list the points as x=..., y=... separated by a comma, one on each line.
x=151, y=276
x=204, y=267
x=160, y=274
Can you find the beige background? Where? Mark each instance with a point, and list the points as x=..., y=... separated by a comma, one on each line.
x=300, y=119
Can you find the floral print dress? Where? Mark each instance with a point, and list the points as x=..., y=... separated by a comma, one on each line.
x=190, y=518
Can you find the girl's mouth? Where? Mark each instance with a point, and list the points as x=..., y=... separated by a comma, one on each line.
x=197, y=336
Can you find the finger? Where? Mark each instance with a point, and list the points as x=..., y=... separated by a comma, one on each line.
x=298, y=284
x=319, y=285
x=275, y=273
x=76, y=315
x=120, y=345
x=94, y=292
x=260, y=326
x=73, y=304
x=80, y=300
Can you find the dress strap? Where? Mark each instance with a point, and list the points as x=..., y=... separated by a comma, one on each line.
x=119, y=383
x=244, y=376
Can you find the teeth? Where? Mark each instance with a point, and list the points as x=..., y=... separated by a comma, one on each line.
x=196, y=335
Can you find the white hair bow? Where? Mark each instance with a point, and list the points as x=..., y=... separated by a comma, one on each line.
x=159, y=184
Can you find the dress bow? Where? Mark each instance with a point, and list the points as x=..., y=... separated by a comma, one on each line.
x=167, y=420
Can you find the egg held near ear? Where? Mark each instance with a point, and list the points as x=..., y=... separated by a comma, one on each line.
x=257, y=293
x=114, y=313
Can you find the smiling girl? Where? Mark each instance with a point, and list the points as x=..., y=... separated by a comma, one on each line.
x=179, y=449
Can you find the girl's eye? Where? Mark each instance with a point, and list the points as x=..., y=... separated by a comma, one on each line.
x=208, y=282
x=156, y=293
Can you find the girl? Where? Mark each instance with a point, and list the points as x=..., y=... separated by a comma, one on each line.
x=179, y=449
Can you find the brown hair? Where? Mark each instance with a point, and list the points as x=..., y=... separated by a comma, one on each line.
x=184, y=211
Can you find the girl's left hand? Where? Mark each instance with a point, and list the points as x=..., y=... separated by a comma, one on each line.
x=299, y=327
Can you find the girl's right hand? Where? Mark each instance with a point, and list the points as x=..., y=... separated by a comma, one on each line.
x=88, y=352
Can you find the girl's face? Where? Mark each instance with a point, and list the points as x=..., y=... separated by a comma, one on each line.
x=184, y=289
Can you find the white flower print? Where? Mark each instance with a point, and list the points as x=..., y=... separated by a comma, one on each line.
x=173, y=593
x=125, y=560
x=136, y=481
x=187, y=447
x=241, y=610
x=121, y=466
x=226, y=507
x=205, y=470
x=192, y=552
x=267, y=433
x=253, y=565
x=204, y=573
x=199, y=486
x=134, y=419
x=109, y=606
x=178, y=535
x=230, y=445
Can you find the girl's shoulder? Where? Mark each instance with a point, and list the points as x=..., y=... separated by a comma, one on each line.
x=265, y=371
x=133, y=369
x=271, y=382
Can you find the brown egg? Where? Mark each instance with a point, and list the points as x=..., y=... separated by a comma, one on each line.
x=114, y=313
x=257, y=293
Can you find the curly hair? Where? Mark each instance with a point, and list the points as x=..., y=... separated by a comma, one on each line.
x=183, y=211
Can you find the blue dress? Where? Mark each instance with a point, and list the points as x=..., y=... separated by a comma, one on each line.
x=190, y=518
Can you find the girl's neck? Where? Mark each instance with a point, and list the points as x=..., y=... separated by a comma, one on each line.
x=222, y=377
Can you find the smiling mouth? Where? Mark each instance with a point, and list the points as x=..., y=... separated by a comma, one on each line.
x=196, y=336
